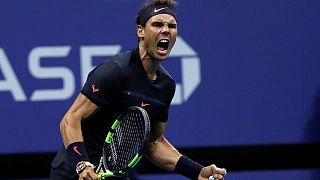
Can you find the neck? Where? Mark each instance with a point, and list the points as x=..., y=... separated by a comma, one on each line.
x=150, y=65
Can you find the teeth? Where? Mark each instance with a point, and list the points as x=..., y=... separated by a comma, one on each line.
x=163, y=44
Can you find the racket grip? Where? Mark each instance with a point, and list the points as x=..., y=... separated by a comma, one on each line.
x=99, y=166
x=211, y=177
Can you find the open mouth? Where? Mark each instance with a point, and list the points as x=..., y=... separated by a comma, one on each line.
x=163, y=45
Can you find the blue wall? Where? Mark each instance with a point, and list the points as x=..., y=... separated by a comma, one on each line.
x=247, y=71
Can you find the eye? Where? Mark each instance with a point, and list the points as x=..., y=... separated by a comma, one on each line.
x=173, y=26
x=157, y=24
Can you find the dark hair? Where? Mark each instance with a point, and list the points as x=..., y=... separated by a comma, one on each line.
x=152, y=3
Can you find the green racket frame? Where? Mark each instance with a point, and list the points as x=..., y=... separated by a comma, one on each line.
x=108, y=140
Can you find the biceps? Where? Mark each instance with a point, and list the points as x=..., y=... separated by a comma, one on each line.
x=81, y=108
x=70, y=125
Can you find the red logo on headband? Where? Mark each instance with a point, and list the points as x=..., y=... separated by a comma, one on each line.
x=157, y=10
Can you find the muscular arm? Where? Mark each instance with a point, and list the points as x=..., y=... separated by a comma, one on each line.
x=160, y=151
x=70, y=125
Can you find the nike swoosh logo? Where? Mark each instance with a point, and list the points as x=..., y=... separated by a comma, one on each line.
x=144, y=105
x=75, y=148
x=157, y=10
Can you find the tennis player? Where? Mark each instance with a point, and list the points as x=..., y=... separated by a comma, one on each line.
x=133, y=78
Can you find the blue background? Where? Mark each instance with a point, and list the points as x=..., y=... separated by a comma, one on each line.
x=259, y=61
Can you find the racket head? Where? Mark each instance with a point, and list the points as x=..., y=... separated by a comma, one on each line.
x=126, y=141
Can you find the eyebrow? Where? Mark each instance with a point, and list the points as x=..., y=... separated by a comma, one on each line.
x=161, y=21
x=171, y=20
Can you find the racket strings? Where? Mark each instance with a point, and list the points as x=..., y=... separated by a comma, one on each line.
x=127, y=141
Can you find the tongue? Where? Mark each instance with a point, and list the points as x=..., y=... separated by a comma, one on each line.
x=162, y=51
x=161, y=48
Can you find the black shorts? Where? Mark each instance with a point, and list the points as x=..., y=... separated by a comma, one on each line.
x=60, y=169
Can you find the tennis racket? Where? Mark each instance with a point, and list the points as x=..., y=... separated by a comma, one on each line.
x=125, y=143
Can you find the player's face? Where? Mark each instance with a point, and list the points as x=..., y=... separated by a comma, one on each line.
x=160, y=35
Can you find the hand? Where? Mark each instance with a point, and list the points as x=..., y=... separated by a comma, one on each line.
x=212, y=170
x=88, y=174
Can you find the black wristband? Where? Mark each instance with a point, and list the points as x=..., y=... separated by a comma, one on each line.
x=76, y=152
x=188, y=168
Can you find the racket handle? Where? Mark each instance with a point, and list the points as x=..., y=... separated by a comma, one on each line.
x=211, y=178
x=99, y=166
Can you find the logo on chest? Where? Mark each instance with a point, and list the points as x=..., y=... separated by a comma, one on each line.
x=143, y=104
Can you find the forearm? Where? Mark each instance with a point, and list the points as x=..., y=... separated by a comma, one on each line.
x=163, y=154
x=70, y=129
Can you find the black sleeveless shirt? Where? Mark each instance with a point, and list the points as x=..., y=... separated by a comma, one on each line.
x=116, y=85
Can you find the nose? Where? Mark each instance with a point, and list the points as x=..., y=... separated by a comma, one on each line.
x=165, y=30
